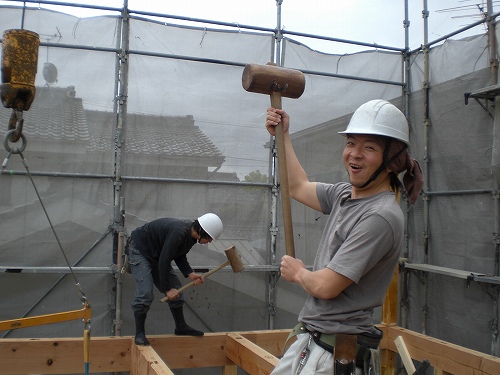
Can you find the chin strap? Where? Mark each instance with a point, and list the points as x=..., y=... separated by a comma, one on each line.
x=385, y=163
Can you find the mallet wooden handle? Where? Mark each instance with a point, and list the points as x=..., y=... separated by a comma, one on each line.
x=188, y=285
x=283, y=174
x=278, y=82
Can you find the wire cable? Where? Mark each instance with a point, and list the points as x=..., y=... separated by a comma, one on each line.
x=77, y=284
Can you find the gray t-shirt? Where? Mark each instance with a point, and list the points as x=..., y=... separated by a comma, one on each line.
x=362, y=240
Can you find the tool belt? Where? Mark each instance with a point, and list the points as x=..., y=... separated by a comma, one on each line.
x=367, y=340
x=351, y=351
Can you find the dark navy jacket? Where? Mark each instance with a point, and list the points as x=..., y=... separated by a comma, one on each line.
x=162, y=241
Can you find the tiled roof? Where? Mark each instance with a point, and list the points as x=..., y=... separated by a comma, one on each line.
x=54, y=114
x=145, y=134
x=57, y=114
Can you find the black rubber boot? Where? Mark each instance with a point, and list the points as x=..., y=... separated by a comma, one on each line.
x=140, y=332
x=181, y=328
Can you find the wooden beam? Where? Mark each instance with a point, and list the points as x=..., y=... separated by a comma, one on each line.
x=180, y=352
x=247, y=355
x=271, y=341
x=230, y=370
x=390, y=317
x=390, y=306
x=443, y=356
x=145, y=361
x=245, y=349
x=113, y=354
x=63, y=355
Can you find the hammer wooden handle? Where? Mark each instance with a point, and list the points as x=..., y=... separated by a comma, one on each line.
x=405, y=356
x=188, y=285
x=283, y=173
x=277, y=82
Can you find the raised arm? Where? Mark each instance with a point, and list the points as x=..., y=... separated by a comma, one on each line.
x=301, y=189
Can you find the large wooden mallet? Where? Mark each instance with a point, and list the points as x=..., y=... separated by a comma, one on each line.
x=233, y=259
x=278, y=82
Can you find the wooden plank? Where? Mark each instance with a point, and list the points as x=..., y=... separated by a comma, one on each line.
x=388, y=364
x=391, y=305
x=444, y=356
x=180, y=352
x=390, y=317
x=271, y=341
x=183, y=351
x=63, y=355
x=247, y=355
x=441, y=372
x=145, y=361
x=230, y=370
x=405, y=356
x=113, y=354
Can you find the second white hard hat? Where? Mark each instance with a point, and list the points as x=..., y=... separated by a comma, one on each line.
x=212, y=224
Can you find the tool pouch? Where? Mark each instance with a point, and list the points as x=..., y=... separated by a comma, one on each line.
x=372, y=367
x=371, y=339
x=368, y=355
x=344, y=355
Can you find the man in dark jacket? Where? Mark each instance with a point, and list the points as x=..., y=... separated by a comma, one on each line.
x=153, y=247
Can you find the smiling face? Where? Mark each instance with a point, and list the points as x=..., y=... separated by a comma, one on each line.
x=363, y=155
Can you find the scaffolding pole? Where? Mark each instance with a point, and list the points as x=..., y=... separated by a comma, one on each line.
x=121, y=90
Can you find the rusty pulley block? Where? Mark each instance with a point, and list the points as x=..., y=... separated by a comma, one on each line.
x=19, y=67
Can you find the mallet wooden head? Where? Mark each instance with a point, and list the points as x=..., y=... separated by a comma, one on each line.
x=270, y=78
x=234, y=259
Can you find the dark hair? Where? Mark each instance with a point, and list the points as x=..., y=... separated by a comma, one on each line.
x=396, y=155
x=201, y=232
x=400, y=161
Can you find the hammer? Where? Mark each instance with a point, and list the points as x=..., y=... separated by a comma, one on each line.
x=233, y=259
x=277, y=82
x=407, y=361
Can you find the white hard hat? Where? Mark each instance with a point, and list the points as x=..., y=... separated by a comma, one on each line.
x=212, y=224
x=379, y=117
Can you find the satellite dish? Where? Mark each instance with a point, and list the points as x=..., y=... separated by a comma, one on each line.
x=49, y=72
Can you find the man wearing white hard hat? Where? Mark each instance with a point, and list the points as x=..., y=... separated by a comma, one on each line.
x=361, y=241
x=153, y=247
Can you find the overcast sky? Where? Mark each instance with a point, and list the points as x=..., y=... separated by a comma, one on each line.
x=369, y=21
